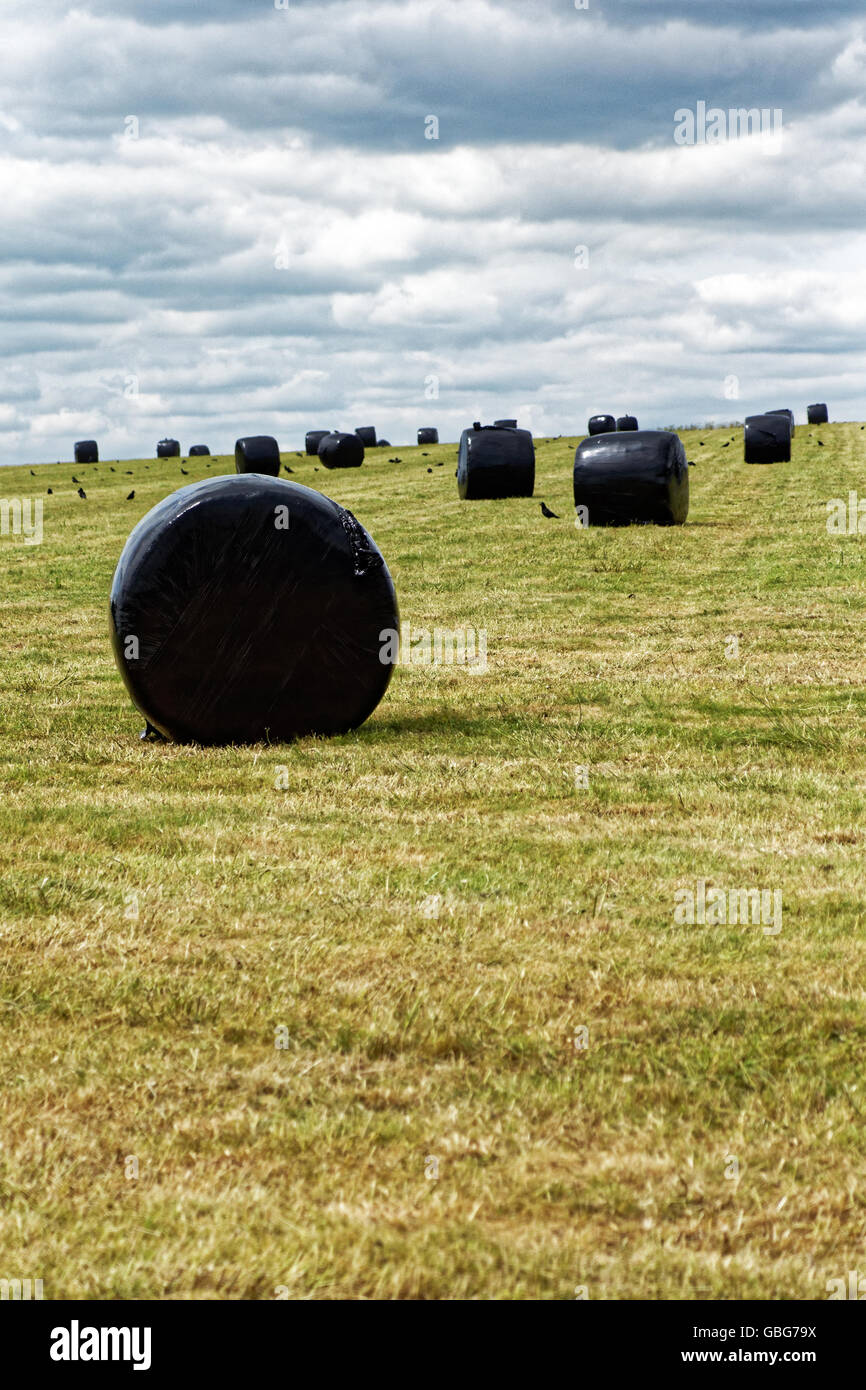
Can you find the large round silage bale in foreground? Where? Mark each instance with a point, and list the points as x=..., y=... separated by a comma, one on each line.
x=817, y=414
x=625, y=423
x=86, y=451
x=788, y=414
x=313, y=439
x=767, y=439
x=495, y=462
x=428, y=436
x=256, y=606
x=639, y=476
x=601, y=424
x=258, y=453
x=168, y=449
x=338, y=450
x=367, y=436
x=198, y=451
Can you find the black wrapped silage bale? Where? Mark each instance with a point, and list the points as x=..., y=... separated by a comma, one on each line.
x=767, y=439
x=505, y=424
x=641, y=476
x=367, y=436
x=86, y=451
x=338, y=450
x=168, y=449
x=198, y=451
x=313, y=439
x=495, y=462
x=258, y=453
x=789, y=414
x=601, y=424
x=383, y=443
x=428, y=436
x=818, y=414
x=257, y=607
x=626, y=423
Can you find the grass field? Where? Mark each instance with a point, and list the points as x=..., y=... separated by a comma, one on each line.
x=509, y=1073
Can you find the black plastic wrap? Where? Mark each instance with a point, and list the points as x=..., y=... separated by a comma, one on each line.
x=626, y=423
x=86, y=451
x=168, y=449
x=789, y=415
x=198, y=451
x=767, y=439
x=818, y=414
x=256, y=605
x=341, y=450
x=367, y=435
x=642, y=477
x=428, y=436
x=383, y=443
x=313, y=439
x=495, y=462
x=258, y=453
x=601, y=424
x=505, y=424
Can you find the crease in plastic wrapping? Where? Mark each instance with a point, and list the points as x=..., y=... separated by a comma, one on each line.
x=246, y=608
x=632, y=478
x=767, y=439
x=495, y=462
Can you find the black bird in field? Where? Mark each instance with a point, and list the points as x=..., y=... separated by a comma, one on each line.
x=429, y=470
x=32, y=474
x=74, y=479
x=297, y=456
x=727, y=446
x=51, y=492
x=425, y=456
x=287, y=468
x=701, y=442
x=185, y=472
x=439, y=465
x=82, y=493
x=820, y=443
x=111, y=468
x=130, y=495
x=129, y=472
x=545, y=511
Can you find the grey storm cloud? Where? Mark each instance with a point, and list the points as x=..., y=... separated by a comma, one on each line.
x=227, y=217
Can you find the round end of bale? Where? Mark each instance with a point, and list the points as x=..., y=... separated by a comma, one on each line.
x=767, y=439
x=367, y=435
x=257, y=608
x=505, y=424
x=339, y=450
x=259, y=453
x=626, y=423
x=818, y=414
x=168, y=449
x=198, y=450
x=601, y=424
x=86, y=451
x=313, y=439
x=640, y=477
x=428, y=435
x=495, y=461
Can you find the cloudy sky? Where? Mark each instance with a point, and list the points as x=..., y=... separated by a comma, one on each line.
x=225, y=217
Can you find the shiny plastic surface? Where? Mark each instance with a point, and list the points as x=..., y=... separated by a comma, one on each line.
x=639, y=476
x=495, y=462
x=601, y=424
x=341, y=450
x=86, y=451
x=258, y=453
x=767, y=439
x=428, y=436
x=245, y=607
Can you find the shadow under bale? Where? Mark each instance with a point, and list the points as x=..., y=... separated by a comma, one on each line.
x=642, y=478
x=601, y=424
x=767, y=439
x=168, y=449
x=495, y=461
x=248, y=607
x=258, y=453
x=428, y=436
x=338, y=450
x=86, y=451
x=818, y=414
x=313, y=439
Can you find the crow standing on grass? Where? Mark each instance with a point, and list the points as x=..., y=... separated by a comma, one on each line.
x=545, y=511
x=130, y=495
x=82, y=493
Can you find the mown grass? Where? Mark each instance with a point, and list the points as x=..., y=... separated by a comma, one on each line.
x=434, y=908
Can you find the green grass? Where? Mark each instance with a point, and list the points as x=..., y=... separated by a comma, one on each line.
x=433, y=908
